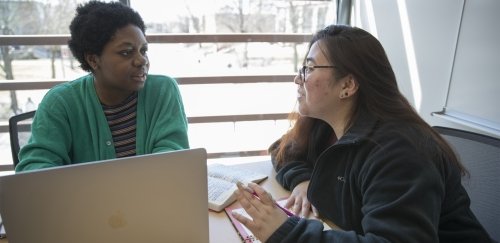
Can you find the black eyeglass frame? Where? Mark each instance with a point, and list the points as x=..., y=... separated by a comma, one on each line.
x=302, y=70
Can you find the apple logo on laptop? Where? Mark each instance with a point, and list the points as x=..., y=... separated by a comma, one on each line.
x=117, y=220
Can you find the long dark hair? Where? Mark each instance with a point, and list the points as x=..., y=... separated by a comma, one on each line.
x=304, y=142
x=356, y=52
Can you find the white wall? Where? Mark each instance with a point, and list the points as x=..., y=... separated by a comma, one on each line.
x=420, y=37
x=473, y=96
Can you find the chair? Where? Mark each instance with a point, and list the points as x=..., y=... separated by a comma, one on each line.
x=480, y=154
x=20, y=131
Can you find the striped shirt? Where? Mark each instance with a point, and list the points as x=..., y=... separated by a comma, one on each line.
x=122, y=123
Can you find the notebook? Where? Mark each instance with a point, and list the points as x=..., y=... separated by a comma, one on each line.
x=150, y=198
x=247, y=236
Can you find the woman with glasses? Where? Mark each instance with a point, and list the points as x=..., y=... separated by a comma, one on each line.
x=119, y=109
x=361, y=156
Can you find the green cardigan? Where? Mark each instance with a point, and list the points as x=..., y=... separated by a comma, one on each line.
x=70, y=126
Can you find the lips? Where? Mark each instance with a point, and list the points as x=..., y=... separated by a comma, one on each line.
x=300, y=95
x=139, y=77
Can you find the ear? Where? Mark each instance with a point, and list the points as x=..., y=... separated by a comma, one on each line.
x=349, y=87
x=93, y=61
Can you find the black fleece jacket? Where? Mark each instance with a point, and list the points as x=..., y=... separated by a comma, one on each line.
x=381, y=182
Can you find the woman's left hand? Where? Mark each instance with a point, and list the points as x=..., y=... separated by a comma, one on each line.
x=266, y=217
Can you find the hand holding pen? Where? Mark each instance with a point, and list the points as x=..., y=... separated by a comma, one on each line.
x=288, y=212
x=266, y=215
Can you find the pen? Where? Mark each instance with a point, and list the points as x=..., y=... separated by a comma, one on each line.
x=288, y=212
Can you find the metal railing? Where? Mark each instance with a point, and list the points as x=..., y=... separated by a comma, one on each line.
x=47, y=84
x=7, y=85
x=39, y=40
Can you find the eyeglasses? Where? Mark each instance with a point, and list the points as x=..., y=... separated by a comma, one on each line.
x=306, y=70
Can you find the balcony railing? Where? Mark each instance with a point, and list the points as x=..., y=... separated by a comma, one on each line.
x=7, y=85
x=39, y=40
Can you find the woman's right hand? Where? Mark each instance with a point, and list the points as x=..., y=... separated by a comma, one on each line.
x=298, y=201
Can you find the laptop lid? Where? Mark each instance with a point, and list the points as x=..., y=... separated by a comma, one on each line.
x=149, y=198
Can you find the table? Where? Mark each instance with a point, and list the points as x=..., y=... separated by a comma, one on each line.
x=221, y=229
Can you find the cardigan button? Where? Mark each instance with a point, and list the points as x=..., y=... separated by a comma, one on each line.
x=108, y=143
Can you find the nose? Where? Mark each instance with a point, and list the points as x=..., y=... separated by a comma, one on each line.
x=298, y=79
x=141, y=60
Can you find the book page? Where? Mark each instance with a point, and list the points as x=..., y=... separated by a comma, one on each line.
x=220, y=193
x=232, y=174
x=222, y=181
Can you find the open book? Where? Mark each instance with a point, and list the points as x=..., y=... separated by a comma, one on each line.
x=222, y=184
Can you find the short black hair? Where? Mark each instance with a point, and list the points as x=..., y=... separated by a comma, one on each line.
x=95, y=23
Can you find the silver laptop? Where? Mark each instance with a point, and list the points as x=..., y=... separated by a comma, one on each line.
x=150, y=198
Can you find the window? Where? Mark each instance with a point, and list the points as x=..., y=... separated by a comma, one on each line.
x=247, y=41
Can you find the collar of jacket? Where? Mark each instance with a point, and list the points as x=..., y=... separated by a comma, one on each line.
x=363, y=126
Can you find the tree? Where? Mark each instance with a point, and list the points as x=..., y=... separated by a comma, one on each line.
x=15, y=16
x=247, y=16
x=56, y=19
x=32, y=17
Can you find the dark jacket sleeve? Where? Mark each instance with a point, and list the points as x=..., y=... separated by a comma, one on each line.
x=290, y=173
x=293, y=173
x=300, y=230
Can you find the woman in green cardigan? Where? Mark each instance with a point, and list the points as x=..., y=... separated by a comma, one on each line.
x=117, y=110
